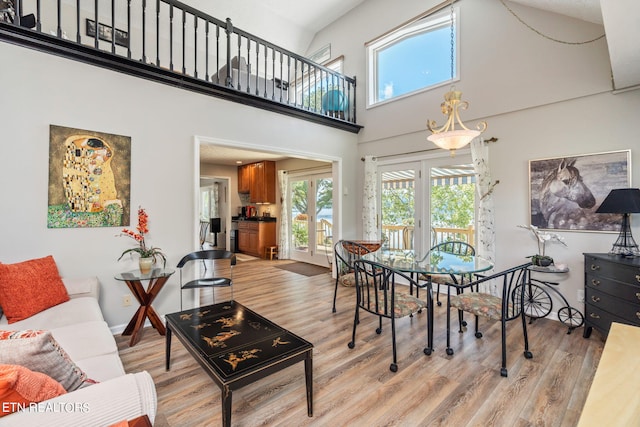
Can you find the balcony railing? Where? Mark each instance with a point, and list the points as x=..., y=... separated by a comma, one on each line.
x=399, y=238
x=171, y=42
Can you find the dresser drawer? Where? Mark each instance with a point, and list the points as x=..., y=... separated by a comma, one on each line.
x=616, y=306
x=622, y=290
x=597, y=317
x=611, y=270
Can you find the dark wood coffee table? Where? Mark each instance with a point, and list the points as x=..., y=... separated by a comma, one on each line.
x=237, y=346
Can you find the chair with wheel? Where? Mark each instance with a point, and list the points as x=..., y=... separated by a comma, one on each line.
x=498, y=297
x=346, y=252
x=377, y=293
x=221, y=275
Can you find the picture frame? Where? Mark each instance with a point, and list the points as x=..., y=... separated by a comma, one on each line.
x=565, y=192
x=105, y=33
x=89, y=178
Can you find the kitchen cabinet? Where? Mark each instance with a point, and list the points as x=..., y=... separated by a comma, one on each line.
x=612, y=292
x=244, y=178
x=254, y=236
x=259, y=180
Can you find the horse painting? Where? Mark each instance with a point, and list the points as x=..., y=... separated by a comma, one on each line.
x=564, y=196
x=566, y=192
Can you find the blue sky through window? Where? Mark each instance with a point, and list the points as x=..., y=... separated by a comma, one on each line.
x=414, y=63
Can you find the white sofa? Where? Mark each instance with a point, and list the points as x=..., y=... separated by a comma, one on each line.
x=79, y=328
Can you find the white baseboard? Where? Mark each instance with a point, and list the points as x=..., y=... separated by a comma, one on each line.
x=118, y=329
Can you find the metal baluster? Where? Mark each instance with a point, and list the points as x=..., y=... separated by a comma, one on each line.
x=38, y=14
x=195, y=47
x=288, y=78
x=353, y=118
x=239, y=83
x=217, y=52
x=266, y=61
x=295, y=76
x=144, y=31
x=229, y=30
x=184, y=46
x=171, y=37
x=206, y=50
x=113, y=26
x=19, y=14
x=129, y=29
x=257, y=65
x=157, y=33
x=248, y=62
x=97, y=24
x=281, y=77
x=78, y=35
x=273, y=74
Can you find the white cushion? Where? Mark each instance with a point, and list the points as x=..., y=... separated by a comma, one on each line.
x=87, y=339
x=82, y=287
x=102, y=368
x=74, y=311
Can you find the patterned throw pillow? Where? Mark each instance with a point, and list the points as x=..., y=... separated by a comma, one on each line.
x=20, y=386
x=29, y=287
x=40, y=352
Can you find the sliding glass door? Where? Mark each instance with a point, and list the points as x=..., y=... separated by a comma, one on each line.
x=311, y=226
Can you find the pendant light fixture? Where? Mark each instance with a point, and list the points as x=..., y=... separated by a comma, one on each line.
x=448, y=137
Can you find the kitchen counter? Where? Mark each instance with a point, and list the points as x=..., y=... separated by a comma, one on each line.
x=254, y=218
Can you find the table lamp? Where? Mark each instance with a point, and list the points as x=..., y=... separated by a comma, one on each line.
x=623, y=201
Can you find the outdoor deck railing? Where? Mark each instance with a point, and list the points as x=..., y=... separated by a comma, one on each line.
x=399, y=238
x=185, y=42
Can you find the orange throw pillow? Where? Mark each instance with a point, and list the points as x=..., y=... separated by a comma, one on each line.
x=29, y=287
x=20, y=387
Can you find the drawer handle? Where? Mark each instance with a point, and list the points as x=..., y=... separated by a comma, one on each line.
x=594, y=316
x=595, y=282
x=638, y=278
x=638, y=295
x=638, y=314
x=595, y=267
x=595, y=299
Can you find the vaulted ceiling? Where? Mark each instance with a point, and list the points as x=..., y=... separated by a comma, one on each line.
x=292, y=24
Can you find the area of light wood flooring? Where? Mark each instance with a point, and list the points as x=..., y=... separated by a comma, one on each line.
x=354, y=387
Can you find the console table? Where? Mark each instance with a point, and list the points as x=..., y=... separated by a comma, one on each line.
x=612, y=291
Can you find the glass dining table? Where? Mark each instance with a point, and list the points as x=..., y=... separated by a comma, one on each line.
x=435, y=262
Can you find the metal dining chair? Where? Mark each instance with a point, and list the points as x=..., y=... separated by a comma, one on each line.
x=377, y=293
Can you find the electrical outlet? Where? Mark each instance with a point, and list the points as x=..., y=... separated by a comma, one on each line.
x=580, y=295
x=126, y=300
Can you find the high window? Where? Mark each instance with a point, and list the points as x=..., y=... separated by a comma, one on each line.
x=413, y=58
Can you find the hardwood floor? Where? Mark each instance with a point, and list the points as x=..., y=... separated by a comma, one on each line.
x=354, y=387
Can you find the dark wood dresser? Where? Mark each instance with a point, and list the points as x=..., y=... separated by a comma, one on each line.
x=612, y=291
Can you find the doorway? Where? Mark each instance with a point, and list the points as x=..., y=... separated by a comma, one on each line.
x=312, y=217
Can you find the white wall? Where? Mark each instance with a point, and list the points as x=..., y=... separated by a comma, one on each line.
x=540, y=98
x=41, y=89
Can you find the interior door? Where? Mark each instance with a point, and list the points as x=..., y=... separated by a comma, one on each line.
x=311, y=225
